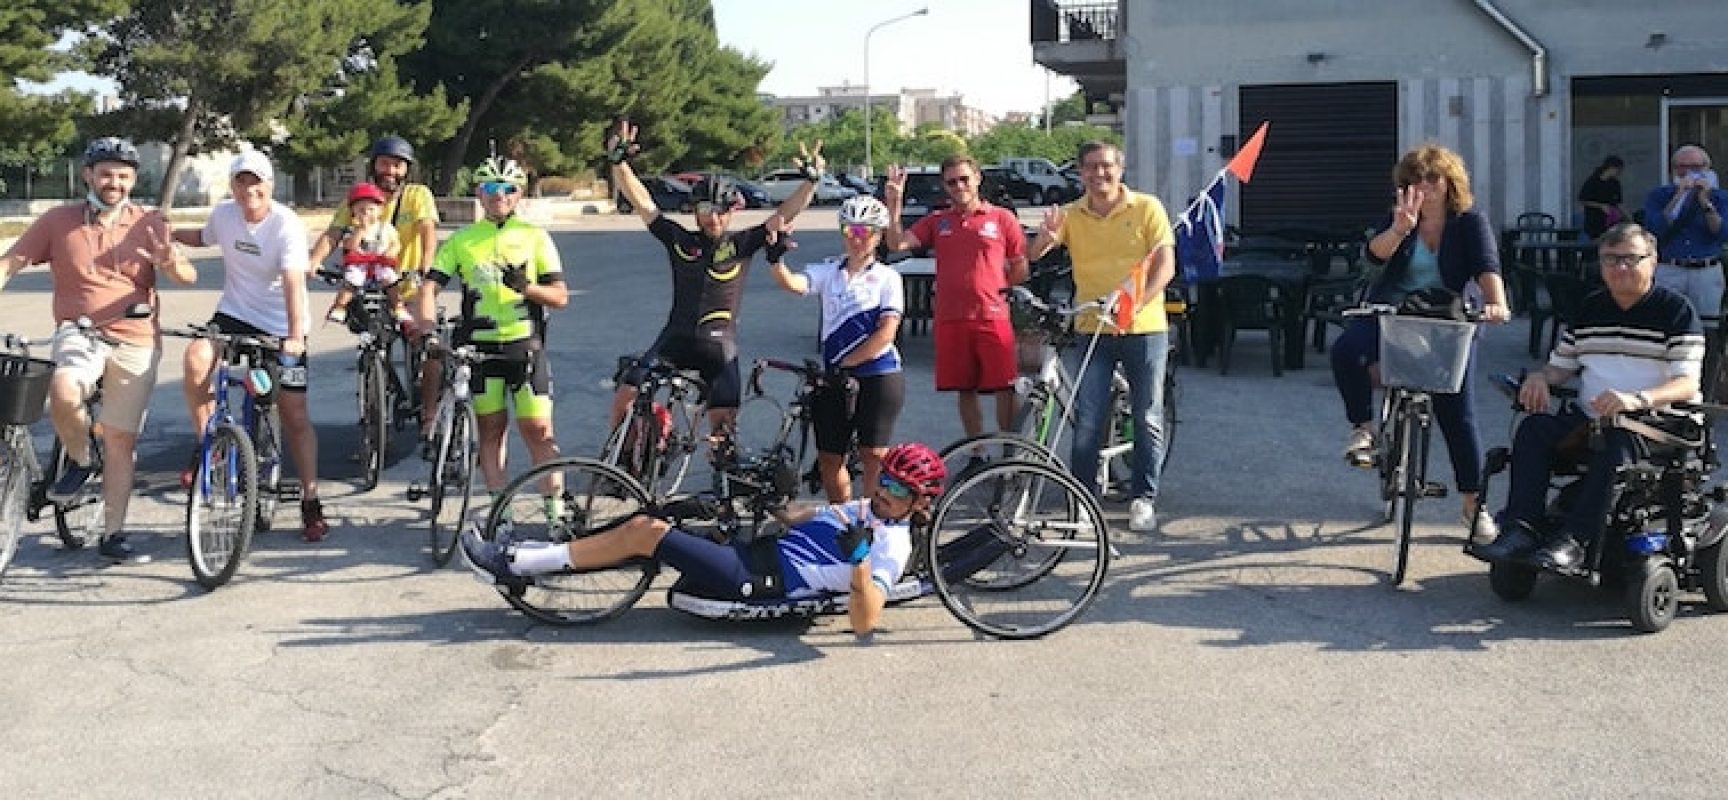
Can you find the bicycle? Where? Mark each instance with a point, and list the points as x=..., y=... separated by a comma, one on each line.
x=658, y=436
x=385, y=400
x=1419, y=357
x=236, y=483
x=451, y=449
x=1012, y=564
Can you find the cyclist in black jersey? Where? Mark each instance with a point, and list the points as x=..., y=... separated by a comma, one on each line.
x=708, y=269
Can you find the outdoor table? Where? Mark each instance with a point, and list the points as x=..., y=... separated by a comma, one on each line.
x=918, y=276
x=1291, y=277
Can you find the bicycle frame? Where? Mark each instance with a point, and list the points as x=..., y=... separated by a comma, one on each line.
x=684, y=391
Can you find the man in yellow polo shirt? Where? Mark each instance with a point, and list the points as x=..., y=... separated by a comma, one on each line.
x=1118, y=239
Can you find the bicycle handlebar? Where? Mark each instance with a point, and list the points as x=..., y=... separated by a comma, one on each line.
x=202, y=331
x=84, y=327
x=1386, y=309
x=812, y=373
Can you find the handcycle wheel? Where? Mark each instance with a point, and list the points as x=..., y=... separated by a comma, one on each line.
x=1652, y=595
x=596, y=496
x=1017, y=549
x=1511, y=582
x=374, y=422
x=82, y=521
x=1713, y=574
x=267, y=446
x=452, y=484
x=1415, y=470
x=985, y=448
x=220, y=507
x=14, y=496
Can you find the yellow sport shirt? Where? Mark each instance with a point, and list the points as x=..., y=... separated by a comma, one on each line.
x=1105, y=250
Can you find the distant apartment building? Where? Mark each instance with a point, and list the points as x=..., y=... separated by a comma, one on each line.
x=912, y=107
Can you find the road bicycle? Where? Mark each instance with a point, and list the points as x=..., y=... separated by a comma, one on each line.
x=452, y=448
x=24, y=484
x=386, y=401
x=1419, y=357
x=237, y=476
x=659, y=435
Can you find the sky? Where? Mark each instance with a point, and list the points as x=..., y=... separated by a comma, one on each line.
x=978, y=48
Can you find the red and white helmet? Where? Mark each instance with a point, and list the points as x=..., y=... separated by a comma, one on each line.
x=367, y=191
x=916, y=466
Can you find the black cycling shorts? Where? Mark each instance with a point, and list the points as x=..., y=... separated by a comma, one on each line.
x=290, y=376
x=874, y=411
x=715, y=359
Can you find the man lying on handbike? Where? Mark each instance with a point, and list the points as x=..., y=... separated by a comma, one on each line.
x=1633, y=346
x=860, y=547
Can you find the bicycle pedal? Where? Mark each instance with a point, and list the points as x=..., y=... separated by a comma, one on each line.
x=1433, y=489
x=415, y=492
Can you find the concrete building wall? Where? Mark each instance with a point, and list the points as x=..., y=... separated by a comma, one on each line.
x=1463, y=80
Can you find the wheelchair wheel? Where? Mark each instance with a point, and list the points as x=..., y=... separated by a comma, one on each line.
x=1652, y=595
x=984, y=448
x=1018, y=549
x=594, y=497
x=1713, y=574
x=1511, y=582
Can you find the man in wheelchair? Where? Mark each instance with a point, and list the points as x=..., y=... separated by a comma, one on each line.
x=1634, y=347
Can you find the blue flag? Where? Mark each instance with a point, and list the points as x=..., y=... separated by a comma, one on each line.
x=1200, y=236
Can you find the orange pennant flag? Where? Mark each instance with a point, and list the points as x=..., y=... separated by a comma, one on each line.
x=1128, y=294
x=1242, y=164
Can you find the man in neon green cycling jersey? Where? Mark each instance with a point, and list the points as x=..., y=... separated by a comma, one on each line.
x=510, y=275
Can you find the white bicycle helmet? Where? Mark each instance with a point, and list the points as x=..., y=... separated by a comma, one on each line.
x=864, y=210
x=499, y=169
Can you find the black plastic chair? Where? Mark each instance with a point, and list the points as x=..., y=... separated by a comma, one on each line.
x=1566, y=295
x=1325, y=304
x=1530, y=286
x=1250, y=302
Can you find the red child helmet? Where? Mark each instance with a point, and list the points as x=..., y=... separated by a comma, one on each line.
x=917, y=466
x=367, y=191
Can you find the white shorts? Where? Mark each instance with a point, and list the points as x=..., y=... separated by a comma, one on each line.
x=127, y=372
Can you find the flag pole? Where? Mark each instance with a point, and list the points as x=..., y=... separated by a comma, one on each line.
x=1201, y=195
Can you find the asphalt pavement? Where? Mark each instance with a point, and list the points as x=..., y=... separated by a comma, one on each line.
x=1249, y=648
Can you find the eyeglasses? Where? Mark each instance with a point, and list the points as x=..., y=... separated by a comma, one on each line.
x=1623, y=259
x=1691, y=166
x=499, y=187
x=857, y=230
x=896, y=489
x=708, y=207
x=958, y=181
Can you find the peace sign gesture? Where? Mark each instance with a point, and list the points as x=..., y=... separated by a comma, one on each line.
x=621, y=142
x=810, y=161
x=159, y=250
x=1408, y=210
x=894, y=186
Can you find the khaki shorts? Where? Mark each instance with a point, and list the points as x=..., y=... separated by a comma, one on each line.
x=127, y=372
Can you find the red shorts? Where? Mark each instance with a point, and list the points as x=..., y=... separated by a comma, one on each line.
x=975, y=355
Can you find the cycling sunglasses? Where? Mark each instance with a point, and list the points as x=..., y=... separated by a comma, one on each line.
x=896, y=489
x=499, y=187
x=708, y=207
x=857, y=231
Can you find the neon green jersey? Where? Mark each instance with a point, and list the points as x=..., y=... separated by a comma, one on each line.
x=477, y=254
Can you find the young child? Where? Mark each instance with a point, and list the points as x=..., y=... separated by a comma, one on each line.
x=369, y=251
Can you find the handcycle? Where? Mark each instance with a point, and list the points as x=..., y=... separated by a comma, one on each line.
x=237, y=476
x=1419, y=357
x=452, y=447
x=386, y=402
x=1666, y=531
x=24, y=383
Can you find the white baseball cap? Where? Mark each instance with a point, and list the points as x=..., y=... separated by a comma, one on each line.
x=254, y=162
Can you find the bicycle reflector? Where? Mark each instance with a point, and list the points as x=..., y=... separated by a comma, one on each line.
x=258, y=382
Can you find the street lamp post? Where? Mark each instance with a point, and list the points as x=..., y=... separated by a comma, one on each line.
x=868, y=171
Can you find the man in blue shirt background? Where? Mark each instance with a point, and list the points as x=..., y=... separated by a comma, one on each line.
x=1686, y=218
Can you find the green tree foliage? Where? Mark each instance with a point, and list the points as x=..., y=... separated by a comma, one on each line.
x=1026, y=141
x=843, y=142
x=36, y=128
x=1069, y=109
x=217, y=70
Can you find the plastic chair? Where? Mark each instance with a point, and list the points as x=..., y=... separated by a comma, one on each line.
x=1250, y=302
x=1566, y=295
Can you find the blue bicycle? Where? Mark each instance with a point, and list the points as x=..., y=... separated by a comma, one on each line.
x=237, y=479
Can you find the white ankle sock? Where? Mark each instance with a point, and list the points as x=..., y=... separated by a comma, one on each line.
x=539, y=558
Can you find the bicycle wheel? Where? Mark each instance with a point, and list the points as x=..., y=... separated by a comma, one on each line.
x=1415, y=471
x=1116, y=458
x=220, y=507
x=974, y=451
x=267, y=446
x=374, y=421
x=1389, y=452
x=1019, y=549
x=80, y=521
x=1171, y=392
x=14, y=496
x=452, y=484
x=596, y=496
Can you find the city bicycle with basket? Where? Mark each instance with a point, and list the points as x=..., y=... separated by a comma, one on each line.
x=1419, y=357
x=237, y=473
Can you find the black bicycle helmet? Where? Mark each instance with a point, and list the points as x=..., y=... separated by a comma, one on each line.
x=717, y=190
x=395, y=146
x=110, y=148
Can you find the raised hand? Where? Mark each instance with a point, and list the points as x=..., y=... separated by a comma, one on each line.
x=810, y=161
x=894, y=186
x=621, y=142
x=159, y=250
x=1053, y=220
x=1408, y=210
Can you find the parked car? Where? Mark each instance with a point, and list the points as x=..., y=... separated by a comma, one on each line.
x=1052, y=185
x=668, y=193
x=780, y=184
x=854, y=183
x=754, y=196
x=1012, y=185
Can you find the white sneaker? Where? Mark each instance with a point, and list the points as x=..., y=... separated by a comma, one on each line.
x=1360, y=451
x=1142, y=515
x=1486, y=528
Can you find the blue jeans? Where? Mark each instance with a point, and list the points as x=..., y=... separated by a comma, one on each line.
x=1358, y=347
x=1533, y=457
x=1141, y=356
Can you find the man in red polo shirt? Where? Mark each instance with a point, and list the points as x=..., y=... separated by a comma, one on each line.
x=979, y=250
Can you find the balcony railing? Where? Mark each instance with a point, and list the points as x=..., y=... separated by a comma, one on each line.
x=1059, y=21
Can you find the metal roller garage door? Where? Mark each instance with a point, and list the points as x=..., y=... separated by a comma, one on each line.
x=1328, y=158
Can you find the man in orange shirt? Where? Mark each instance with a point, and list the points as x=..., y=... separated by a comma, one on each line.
x=103, y=253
